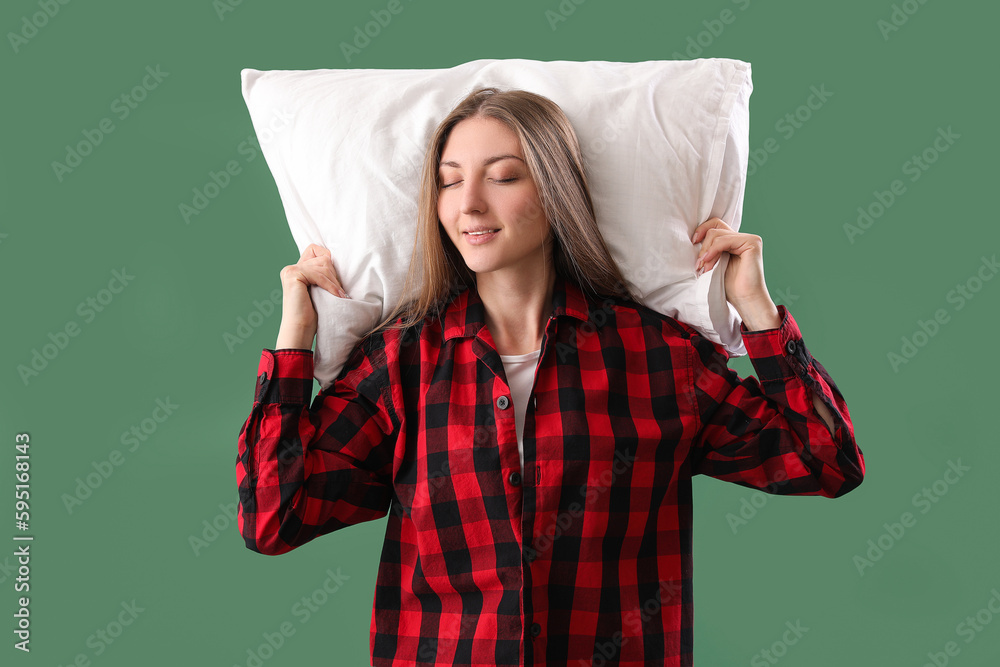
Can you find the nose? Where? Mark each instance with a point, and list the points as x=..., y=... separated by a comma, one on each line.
x=472, y=197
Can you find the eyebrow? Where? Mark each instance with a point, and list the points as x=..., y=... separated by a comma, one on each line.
x=487, y=162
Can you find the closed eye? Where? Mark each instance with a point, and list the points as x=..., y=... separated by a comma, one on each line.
x=505, y=180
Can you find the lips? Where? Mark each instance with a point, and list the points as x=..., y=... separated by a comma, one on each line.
x=480, y=235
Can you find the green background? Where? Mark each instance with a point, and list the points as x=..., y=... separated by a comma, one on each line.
x=161, y=337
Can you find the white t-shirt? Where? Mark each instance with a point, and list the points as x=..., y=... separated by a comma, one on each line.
x=520, y=370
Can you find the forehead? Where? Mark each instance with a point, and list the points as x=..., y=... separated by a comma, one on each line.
x=476, y=140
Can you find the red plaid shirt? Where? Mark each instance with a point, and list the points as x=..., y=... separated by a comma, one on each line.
x=587, y=555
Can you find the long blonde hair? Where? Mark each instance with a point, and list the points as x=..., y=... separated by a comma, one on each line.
x=555, y=164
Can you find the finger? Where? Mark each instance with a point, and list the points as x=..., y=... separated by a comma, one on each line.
x=330, y=286
x=709, y=242
x=734, y=244
x=712, y=223
x=314, y=250
x=326, y=280
x=316, y=268
x=323, y=265
x=312, y=275
x=714, y=232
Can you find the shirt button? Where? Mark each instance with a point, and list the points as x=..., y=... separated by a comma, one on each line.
x=529, y=553
x=503, y=402
x=536, y=629
x=263, y=377
x=515, y=478
x=790, y=347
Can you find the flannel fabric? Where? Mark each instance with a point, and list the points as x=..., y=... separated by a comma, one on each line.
x=586, y=557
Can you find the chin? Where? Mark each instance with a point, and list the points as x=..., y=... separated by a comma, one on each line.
x=479, y=264
x=479, y=268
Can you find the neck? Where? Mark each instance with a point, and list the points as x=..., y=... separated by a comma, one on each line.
x=518, y=306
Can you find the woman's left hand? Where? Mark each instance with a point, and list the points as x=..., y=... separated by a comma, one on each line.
x=744, y=281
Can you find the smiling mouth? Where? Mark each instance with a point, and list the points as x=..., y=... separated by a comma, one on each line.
x=485, y=231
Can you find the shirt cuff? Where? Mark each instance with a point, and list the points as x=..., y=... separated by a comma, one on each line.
x=284, y=376
x=777, y=354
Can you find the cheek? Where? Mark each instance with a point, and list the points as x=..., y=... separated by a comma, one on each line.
x=529, y=212
x=447, y=230
x=442, y=212
x=531, y=207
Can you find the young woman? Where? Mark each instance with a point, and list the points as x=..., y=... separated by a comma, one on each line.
x=529, y=429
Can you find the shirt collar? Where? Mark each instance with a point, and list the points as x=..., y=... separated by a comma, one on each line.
x=465, y=315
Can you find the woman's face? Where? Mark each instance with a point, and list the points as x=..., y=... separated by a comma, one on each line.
x=487, y=203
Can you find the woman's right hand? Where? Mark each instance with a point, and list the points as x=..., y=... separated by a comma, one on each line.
x=298, y=315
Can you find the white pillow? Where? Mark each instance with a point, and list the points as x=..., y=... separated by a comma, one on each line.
x=666, y=145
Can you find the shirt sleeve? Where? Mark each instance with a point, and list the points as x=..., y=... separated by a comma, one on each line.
x=765, y=432
x=303, y=472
